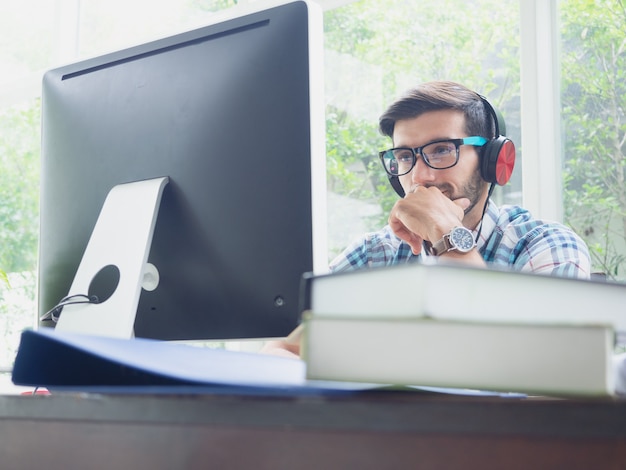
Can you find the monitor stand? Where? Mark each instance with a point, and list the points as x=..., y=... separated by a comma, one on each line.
x=115, y=265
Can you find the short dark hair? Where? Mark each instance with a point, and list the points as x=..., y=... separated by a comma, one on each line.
x=433, y=96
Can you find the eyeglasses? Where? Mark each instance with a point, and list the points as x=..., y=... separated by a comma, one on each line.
x=438, y=155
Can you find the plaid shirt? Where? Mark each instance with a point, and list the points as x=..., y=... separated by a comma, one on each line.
x=509, y=237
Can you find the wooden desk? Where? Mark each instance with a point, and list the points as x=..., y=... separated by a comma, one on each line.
x=370, y=430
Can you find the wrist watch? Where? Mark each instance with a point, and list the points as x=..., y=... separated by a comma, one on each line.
x=459, y=239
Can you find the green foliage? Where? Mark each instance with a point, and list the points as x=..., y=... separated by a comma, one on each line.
x=413, y=42
x=594, y=115
x=19, y=188
x=350, y=143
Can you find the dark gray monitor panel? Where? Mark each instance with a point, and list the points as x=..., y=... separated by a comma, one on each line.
x=225, y=111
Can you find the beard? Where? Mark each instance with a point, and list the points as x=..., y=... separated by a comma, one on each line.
x=473, y=189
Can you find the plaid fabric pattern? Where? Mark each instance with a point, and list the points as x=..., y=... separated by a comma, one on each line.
x=509, y=237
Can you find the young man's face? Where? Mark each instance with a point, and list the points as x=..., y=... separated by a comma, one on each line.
x=461, y=180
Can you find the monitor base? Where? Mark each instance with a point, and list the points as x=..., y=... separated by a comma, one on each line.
x=114, y=266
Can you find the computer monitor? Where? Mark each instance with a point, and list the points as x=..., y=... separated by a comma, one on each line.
x=233, y=115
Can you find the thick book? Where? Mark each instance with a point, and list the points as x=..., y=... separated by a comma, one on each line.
x=559, y=360
x=50, y=358
x=453, y=292
x=456, y=326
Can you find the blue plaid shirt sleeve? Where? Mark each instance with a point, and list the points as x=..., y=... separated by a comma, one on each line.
x=510, y=237
x=374, y=249
x=518, y=241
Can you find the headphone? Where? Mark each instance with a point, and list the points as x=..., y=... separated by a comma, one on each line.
x=497, y=156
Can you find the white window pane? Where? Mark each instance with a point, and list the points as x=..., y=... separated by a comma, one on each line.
x=593, y=97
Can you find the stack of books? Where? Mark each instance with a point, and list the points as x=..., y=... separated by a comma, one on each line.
x=460, y=327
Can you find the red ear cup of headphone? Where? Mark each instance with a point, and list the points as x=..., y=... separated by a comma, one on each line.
x=505, y=162
x=498, y=160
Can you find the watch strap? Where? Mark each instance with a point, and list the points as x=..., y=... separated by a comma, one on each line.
x=440, y=246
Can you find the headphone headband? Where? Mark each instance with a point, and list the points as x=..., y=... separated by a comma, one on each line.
x=496, y=116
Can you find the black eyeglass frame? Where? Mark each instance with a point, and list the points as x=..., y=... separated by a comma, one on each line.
x=476, y=141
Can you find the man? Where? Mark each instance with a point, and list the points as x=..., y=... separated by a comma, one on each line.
x=447, y=186
x=446, y=158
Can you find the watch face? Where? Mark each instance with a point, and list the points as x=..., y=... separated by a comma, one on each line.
x=462, y=239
